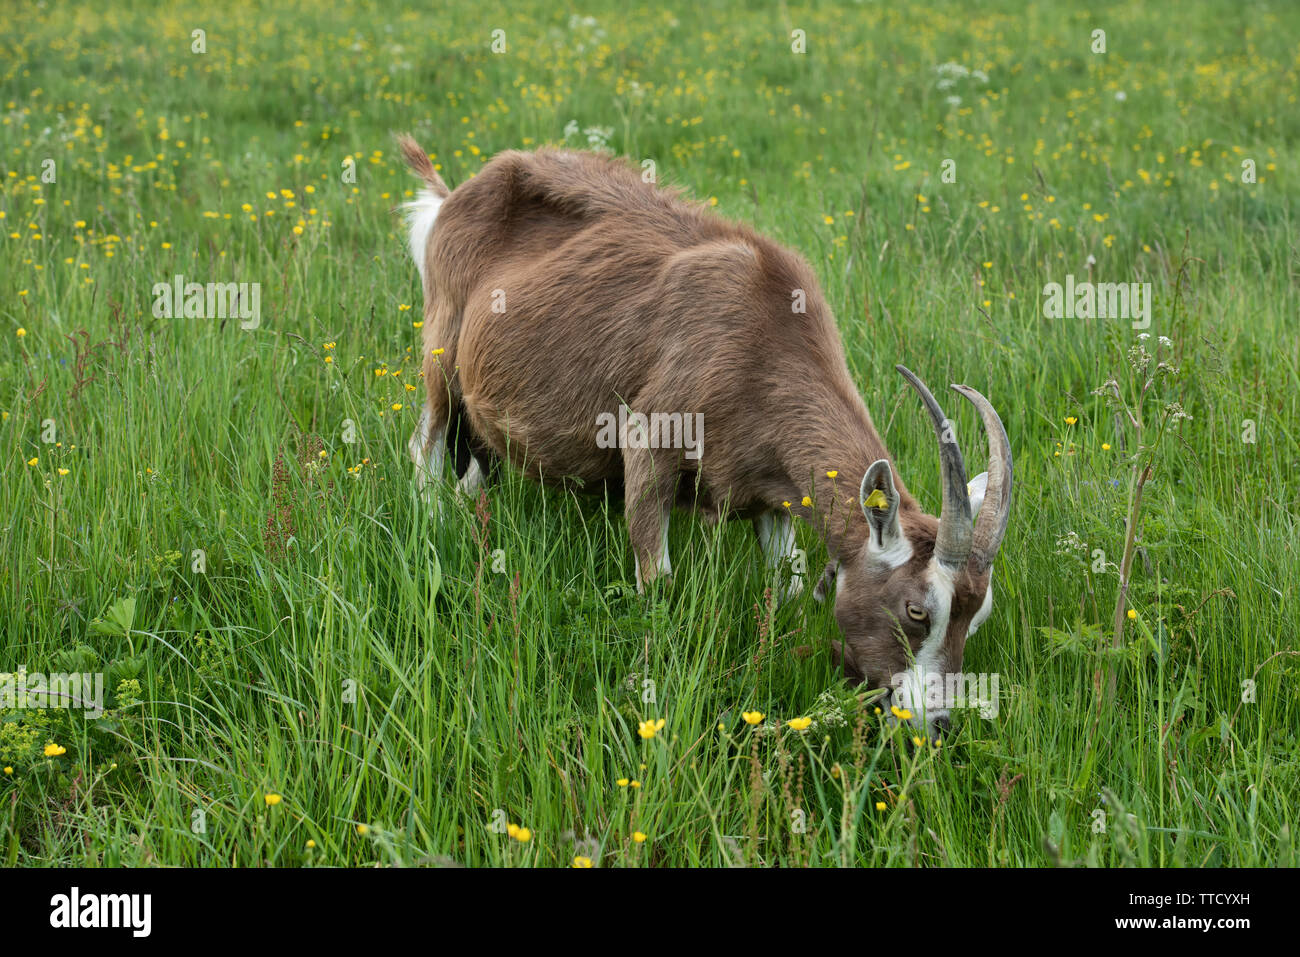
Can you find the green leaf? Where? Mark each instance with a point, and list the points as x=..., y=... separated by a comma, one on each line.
x=434, y=573
x=117, y=620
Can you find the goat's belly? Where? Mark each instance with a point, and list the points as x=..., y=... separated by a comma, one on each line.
x=552, y=438
x=539, y=385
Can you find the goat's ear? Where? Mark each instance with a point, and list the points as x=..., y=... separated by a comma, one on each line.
x=975, y=489
x=879, y=499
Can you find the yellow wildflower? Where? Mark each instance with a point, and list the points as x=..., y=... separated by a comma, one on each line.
x=875, y=500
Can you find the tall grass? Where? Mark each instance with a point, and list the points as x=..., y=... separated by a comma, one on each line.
x=277, y=615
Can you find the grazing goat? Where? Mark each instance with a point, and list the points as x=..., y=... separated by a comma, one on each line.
x=566, y=299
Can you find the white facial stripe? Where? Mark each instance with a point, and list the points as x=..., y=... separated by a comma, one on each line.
x=910, y=693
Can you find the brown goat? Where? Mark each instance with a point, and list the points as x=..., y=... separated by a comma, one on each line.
x=561, y=291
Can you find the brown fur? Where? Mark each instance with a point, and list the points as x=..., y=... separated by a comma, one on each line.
x=886, y=638
x=620, y=292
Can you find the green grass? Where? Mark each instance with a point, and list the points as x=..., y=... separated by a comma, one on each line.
x=341, y=651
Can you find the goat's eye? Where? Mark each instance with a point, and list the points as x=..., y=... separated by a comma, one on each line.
x=916, y=612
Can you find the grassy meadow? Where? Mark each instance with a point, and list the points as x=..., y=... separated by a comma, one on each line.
x=301, y=668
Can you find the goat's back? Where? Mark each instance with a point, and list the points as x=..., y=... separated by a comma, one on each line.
x=577, y=287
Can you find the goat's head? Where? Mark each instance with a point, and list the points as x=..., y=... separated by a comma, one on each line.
x=919, y=586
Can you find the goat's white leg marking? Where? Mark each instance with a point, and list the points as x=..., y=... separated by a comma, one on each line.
x=428, y=452
x=775, y=532
x=428, y=446
x=662, y=563
x=472, y=480
x=665, y=565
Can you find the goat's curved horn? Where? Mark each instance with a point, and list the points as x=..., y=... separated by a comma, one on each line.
x=952, y=543
x=996, y=510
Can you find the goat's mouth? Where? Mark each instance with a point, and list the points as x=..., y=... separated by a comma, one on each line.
x=934, y=721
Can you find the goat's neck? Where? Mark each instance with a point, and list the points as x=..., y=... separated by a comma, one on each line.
x=842, y=439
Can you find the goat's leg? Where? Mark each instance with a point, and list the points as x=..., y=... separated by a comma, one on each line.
x=775, y=531
x=428, y=444
x=472, y=480
x=649, y=487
